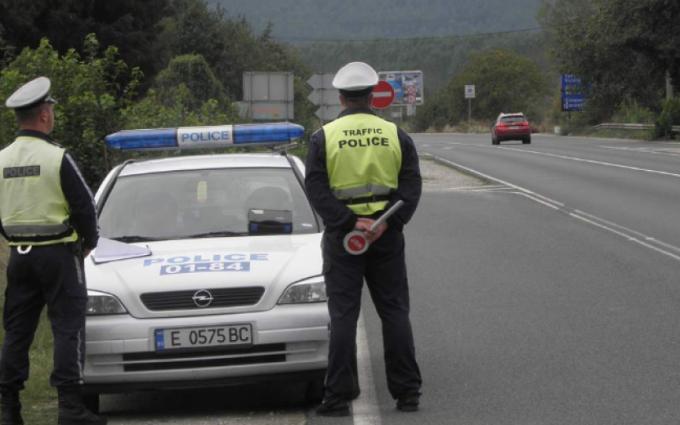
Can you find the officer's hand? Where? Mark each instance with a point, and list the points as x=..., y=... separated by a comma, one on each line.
x=377, y=233
x=364, y=224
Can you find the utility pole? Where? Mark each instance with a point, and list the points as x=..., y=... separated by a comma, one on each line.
x=669, y=86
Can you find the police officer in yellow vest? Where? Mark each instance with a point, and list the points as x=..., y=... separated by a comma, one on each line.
x=47, y=215
x=357, y=167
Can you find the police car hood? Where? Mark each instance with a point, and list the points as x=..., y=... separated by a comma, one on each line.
x=187, y=266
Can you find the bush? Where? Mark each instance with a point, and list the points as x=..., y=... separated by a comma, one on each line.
x=91, y=91
x=670, y=116
x=630, y=111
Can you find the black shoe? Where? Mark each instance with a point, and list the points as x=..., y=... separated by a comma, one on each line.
x=408, y=403
x=355, y=394
x=11, y=409
x=333, y=408
x=11, y=417
x=72, y=410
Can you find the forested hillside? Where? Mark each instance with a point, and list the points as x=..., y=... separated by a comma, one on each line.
x=307, y=20
x=439, y=58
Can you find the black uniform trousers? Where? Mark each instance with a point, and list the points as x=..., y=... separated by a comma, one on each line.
x=384, y=268
x=49, y=275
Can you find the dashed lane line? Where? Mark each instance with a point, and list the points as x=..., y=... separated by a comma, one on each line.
x=629, y=234
x=593, y=161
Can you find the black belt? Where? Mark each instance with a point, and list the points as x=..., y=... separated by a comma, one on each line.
x=366, y=199
x=29, y=239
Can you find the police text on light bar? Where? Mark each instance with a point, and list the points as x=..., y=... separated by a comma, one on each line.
x=205, y=137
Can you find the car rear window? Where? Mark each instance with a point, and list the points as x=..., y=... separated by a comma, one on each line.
x=196, y=203
x=512, y=119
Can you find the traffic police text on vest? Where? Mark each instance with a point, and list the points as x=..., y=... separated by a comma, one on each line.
x=362, y=170
x=363, y=153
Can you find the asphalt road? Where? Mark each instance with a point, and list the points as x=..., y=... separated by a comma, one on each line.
x=546, y=297
x=632, y=184
x=527, y=313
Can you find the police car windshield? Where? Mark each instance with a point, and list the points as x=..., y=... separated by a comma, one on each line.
x=201, y=203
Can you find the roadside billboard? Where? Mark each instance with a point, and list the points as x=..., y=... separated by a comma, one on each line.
x=407, y=85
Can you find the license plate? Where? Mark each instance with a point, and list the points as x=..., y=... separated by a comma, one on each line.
x=514, y=127
x=205, y=336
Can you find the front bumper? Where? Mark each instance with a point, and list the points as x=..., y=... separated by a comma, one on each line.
x=288, y=340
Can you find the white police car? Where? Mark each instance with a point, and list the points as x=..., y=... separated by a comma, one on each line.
x=208, y=271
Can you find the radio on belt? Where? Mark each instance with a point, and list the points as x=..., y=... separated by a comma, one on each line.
x=355, y=242
x=205, y=137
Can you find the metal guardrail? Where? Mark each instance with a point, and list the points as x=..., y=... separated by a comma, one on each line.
x=620, y=126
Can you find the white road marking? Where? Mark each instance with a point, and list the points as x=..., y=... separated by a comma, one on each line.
x=671, y=151
x=628, y=237
x=631, y=235
x=464, y=189
x=365, y=408
x=540, y=201
x=592, y=161
x=503, y=182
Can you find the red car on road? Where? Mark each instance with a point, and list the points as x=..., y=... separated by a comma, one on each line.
x=512, y=126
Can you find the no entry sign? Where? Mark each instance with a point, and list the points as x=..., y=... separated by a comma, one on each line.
x=383, y=95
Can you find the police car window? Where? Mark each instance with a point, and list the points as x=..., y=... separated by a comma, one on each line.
x=201, y=203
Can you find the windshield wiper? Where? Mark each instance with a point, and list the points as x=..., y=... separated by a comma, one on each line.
x=135, y=238
x=216, y=234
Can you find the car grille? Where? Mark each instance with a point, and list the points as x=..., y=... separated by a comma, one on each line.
x=256, y=354
x=184, y=300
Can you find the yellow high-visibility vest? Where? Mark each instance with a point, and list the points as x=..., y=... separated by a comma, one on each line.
x=363, y=159
x=33, y=208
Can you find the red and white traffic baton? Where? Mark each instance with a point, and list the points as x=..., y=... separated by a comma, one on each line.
x=356, y=243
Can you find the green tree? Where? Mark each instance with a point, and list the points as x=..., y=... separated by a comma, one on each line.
x=91, y=91
x=228, y=45
x=622, y=48
x=5, y=49
x=231, y=48
x=129, y=24
x=504, y=82
x=194, y=72
x=177, y=108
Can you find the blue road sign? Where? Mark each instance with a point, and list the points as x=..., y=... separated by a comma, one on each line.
x=573, y=98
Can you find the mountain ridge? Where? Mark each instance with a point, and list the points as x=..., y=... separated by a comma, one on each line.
x=314, y=20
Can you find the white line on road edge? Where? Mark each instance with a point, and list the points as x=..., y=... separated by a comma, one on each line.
x=652, y=151
x=365, y=408
x=628, y=237
x=592, y=161
x=546, y=200
x=540, y=201
x=631, y=235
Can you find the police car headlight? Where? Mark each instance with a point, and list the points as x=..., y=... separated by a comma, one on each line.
x=308, y=291
x=99, y=303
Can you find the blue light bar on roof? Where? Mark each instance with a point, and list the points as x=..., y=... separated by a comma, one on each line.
x=205, y=137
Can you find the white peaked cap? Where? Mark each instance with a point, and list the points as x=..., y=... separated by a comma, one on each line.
x=355, y=76
x=31, y=93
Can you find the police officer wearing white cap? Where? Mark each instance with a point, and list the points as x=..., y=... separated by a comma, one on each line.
x=48, y=217
x=357, y=167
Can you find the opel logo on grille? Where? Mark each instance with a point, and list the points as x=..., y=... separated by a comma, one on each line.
x=202, y=298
